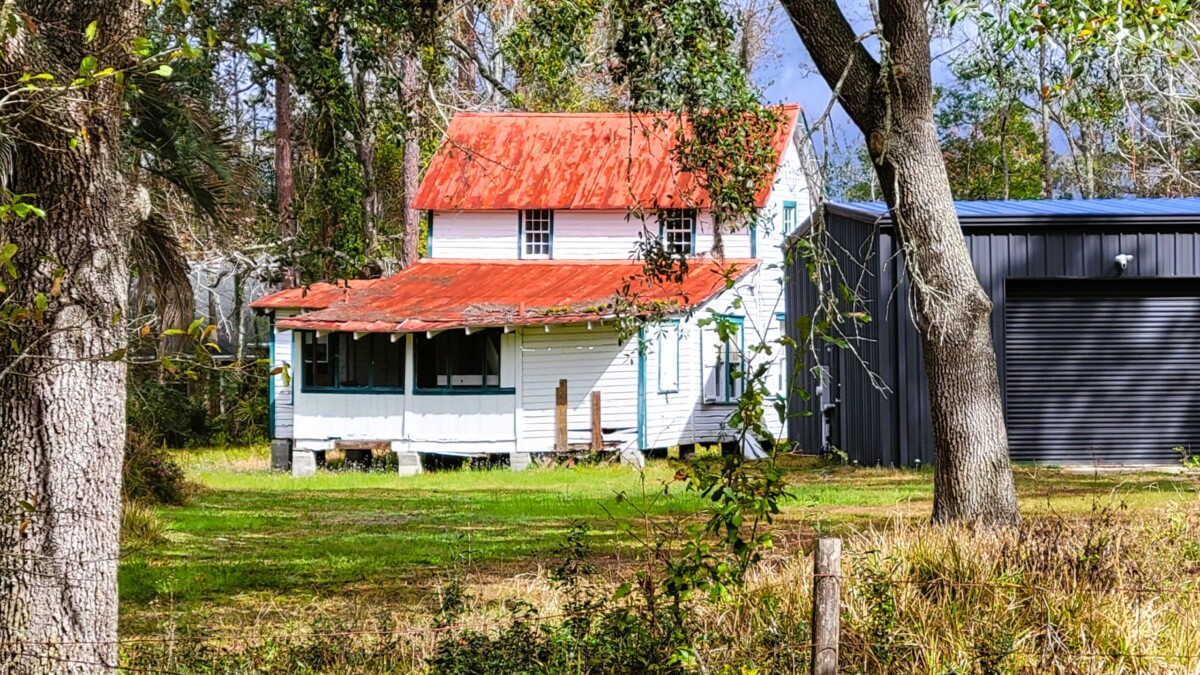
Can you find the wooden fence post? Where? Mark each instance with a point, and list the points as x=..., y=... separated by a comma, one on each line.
x=560, y=416
x=597, y=429
x=827, y=611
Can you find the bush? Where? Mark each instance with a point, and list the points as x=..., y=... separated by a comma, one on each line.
x=225, y=406
x=150, y=476
x=140, y=526
x=598, y=632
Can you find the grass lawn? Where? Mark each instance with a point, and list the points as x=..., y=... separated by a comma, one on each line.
x=250, y=539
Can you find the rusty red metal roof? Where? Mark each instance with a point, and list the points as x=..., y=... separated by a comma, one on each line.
x=438, y=294
x=317, y=296
x=615, y=161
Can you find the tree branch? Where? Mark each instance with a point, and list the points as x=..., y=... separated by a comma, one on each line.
x=838, y=53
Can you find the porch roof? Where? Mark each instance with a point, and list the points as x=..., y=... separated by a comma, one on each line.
x=440, y=294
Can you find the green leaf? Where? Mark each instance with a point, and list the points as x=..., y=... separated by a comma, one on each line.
x=89, y=33
x=40, y=302
x=212, y=37
x=184, y=6
x=163, y=71
x=142, y=46
x=88, y=65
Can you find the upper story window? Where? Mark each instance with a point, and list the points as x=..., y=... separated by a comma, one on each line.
x=337, y=361
x=678, y=230
x=537, y=230
x=789, y=217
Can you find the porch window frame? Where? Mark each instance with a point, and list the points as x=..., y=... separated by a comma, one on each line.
x=473, y=390
x=334, y=359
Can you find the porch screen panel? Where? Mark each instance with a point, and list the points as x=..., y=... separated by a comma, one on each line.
x=455, y=360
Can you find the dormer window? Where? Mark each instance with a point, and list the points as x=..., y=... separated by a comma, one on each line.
x=537, y=230
x=678, y=230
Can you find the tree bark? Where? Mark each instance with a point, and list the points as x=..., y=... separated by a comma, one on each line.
x=62, y=394
x=285, y=186
x=410, y=91
x=1044, y=109
x=365, y=151
x=892, y=103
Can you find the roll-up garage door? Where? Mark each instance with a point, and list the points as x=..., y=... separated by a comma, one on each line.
x=1102, y=371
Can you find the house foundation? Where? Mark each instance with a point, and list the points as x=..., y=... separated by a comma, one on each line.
x=408, y=463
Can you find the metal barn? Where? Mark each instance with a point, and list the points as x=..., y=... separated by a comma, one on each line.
x=1096, y=323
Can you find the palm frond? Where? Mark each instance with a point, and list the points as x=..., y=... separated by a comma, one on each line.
x=162, y=271
x=183, y=144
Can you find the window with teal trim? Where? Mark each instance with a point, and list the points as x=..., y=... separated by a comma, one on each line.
x=789, y=217
x=730, y=377
x=453, y=361
x=668, y=357
x=338, y=362
x=678, y=230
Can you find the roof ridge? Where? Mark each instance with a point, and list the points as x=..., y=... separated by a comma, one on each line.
x=602, y=113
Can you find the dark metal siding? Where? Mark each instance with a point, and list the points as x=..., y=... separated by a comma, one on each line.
x=863, y=420
x=1102, y=371
x=896, y=428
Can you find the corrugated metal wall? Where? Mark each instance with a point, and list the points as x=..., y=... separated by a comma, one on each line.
x=895, y=429
x=862, y=419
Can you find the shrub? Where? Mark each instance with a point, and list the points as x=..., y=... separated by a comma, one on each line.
x=140, y=526
x=150, y=476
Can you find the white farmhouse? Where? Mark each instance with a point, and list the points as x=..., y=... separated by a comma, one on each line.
x=533, y=225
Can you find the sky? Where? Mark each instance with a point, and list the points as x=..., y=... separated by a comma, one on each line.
x=790, y=77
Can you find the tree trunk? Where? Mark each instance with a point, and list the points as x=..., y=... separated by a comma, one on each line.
x=365, y=151
x=973, y=481
x=892, y=103
x=411, y=171
x=285, y=186
x=62, y=394
x=1044, y=107
x=468, y=71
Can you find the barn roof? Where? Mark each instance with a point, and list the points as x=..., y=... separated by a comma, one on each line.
x=1033, y=211
x=439, y=294
x=614, y=161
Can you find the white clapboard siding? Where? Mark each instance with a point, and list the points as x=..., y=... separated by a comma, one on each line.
x=490, y=235
x=375, y=417
x=690, y=415
x=736, y=242
x=577, y=235
x=588, y=360
x=284, y=383
x=457, y=418
x=596, y=235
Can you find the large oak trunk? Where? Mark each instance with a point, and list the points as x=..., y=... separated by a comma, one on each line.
x=972, y=480
x=62, y=380
x=891, y=102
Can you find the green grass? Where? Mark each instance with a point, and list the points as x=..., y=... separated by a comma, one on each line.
x=250, y=537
